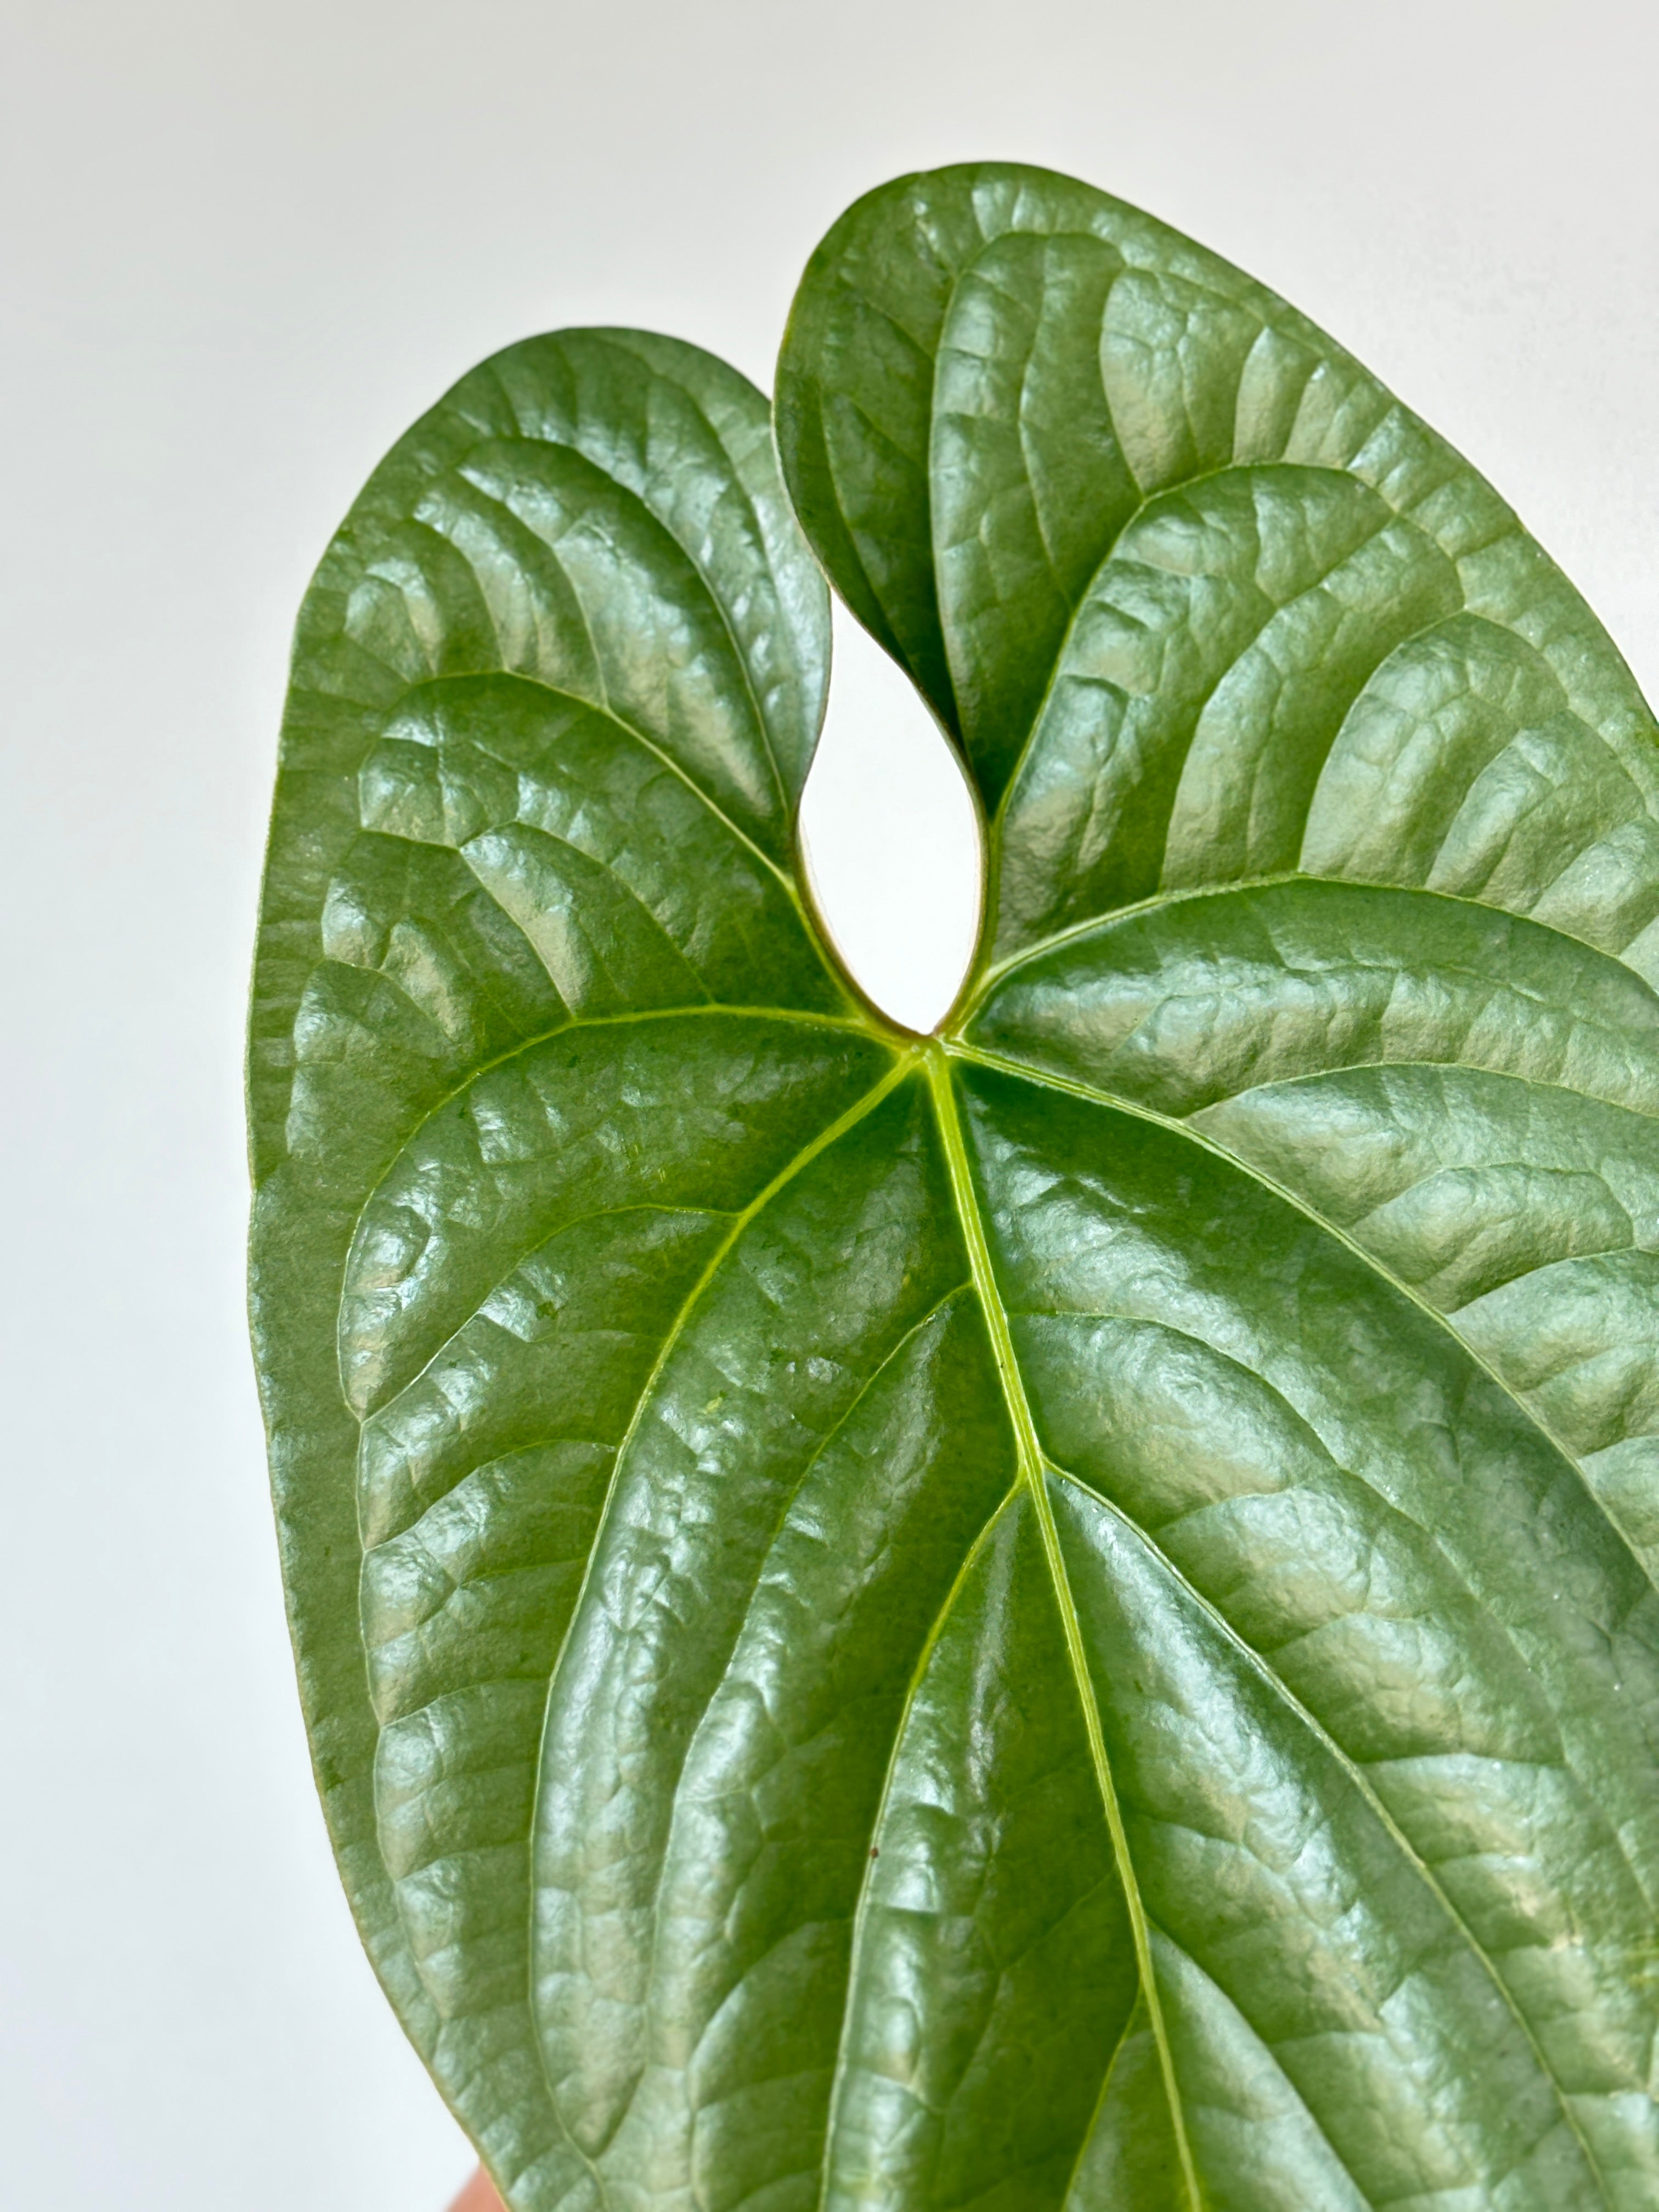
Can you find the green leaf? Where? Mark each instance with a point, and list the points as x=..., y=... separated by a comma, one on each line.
x=1058, y=1615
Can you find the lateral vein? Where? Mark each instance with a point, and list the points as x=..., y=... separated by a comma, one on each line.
x=810, y=1151
x=1444, y=1323
x=1032, y=1473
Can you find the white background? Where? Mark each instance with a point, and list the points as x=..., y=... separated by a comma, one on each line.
x=245, y=246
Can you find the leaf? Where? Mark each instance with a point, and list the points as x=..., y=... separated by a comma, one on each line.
x=1061, y=1614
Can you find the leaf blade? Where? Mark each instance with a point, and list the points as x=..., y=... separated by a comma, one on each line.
x=1061, y=1614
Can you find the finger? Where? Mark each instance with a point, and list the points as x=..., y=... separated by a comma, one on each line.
x=478, y=2195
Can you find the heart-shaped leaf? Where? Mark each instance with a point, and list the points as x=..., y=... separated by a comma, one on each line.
x=1061, y=1614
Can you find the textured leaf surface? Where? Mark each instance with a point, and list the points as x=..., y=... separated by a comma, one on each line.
x=1061, y=1615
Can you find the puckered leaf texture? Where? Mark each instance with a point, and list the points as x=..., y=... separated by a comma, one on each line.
x=1060, y=1614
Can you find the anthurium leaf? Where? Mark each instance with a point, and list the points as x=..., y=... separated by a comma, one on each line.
x=1062, y=1614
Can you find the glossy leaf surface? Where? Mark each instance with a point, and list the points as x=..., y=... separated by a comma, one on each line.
x=1061, y=1615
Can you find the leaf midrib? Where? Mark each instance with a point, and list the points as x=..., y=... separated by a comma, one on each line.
x=1032, y=1464
x=937, y=1053
x=1008, y=1370
x=1084, y=1092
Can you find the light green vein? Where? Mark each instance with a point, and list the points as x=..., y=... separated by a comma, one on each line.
x=904, y=1065
x=1022, y=1071
x=1101, y=925
x=1033, y=1473
x=861, y=1910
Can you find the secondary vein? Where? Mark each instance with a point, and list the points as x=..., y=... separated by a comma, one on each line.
x=1028, y=1071
x=1032, y=1473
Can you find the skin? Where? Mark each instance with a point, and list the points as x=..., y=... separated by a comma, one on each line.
x=478, y=2195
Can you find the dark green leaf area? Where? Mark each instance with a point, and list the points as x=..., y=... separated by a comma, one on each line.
x=1199, y=600
x=573, y=508
x=1201, y=999
x=574, y=587
x=1376, y=1682
x=471, y=1249
x=995, y=1983
x=617, y=1162
x=597, y=514
x=416, y=976
x=535, y=1022
x=1530, y=1215
x=991, y=372
x=856, y=411
x=632, y=889
x=1130, y=2159
x=822, y=1442
x=1468, y=1097
x=1202, y=686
